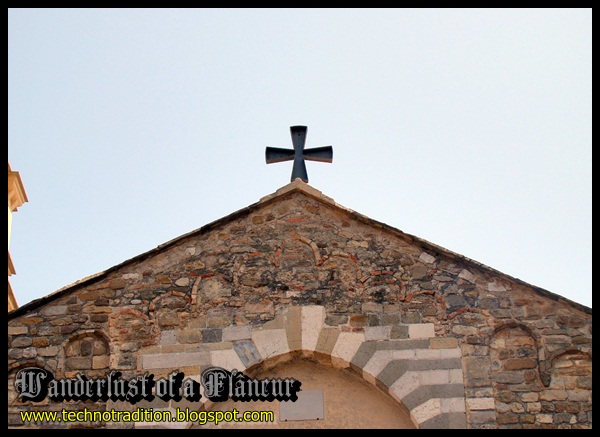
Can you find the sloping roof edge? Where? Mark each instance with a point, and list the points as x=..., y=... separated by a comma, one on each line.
x=295, y=186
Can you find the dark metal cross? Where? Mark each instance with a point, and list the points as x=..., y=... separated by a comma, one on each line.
x=322, y=154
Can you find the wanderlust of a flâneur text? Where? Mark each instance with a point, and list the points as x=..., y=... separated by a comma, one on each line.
x=216, y=384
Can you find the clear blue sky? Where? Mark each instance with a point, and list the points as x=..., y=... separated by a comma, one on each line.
x=469, y=128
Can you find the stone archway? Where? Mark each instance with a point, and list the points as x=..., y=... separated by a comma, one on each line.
x=406, y=362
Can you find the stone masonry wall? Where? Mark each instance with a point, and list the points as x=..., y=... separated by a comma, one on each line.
x=457, y=343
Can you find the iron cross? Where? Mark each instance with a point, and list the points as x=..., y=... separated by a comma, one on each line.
x=322, y=154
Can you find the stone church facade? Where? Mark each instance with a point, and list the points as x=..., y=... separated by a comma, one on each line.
x=391, y=331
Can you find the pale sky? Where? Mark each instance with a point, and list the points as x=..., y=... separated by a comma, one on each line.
x=469, y=128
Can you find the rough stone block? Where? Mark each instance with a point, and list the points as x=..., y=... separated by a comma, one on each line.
x=327, y=339
x=511, y=377
x=168, y=337
x=482, y=417
x=100, y=362
x=554, y=395
x=440, y=391
x=443, y=343
x=405, y=385
x=117, y=284
x=544, y=418
x=22, y=342
x=29, y=352
x=17, y=330
x=421, y=330
x=364, y=354
x=492, y=286
x=358, y=320
x=49, y=351
x=371, y=307
x=79, y=363
x=247, y=352
x=426, y=411
x=376, y=364
x=426, y=258
x=211, y=335
x=377, y=332
x=481, y=403
x=399, y=331
x=347, y=345
x=182, y=282
x=519, y=363
x=271, y=342
x=55, y=310
x=234, y=333
x=390, y=319
x=227, y=359
x=312, y=319
x=466, y=275
x=192, y=336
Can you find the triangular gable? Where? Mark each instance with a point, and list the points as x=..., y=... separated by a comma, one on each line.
x=296, y=187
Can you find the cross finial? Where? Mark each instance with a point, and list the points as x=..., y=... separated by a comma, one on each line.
x=299, y=154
